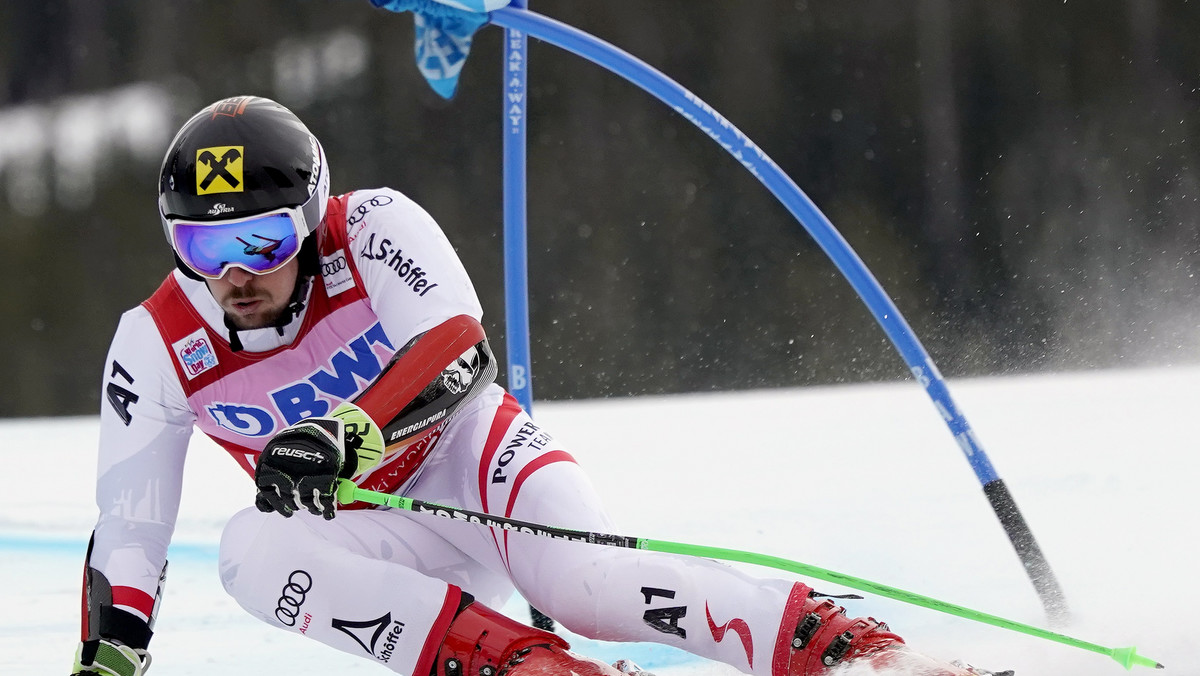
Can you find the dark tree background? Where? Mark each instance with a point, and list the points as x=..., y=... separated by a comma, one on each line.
x=1021, y=176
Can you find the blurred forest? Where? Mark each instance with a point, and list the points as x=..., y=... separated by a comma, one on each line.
x=1022, y=177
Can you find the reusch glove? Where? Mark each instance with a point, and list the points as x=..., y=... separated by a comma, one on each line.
x=105, y=658
x=300, y=466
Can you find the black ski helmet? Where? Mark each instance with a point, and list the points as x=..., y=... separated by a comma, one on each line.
x=239, y=157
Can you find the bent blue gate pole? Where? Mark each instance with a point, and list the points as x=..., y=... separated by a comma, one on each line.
x=835, y=246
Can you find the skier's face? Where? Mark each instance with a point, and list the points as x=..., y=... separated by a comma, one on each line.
x=254, y=301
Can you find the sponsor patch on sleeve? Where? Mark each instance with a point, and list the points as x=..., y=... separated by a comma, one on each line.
x=195, y=353
x=335, y=272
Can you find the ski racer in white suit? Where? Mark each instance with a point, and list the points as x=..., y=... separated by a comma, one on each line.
x=291, y=314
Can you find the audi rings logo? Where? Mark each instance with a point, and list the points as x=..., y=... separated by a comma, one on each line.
x=335, y=273
x=330, y=266
x=361, y=210
x=298, y=585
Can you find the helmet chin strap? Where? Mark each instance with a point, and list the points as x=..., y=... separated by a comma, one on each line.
x=296, y=305
x=292, y=310
x=235, y=341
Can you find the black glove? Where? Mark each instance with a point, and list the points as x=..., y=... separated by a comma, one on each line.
x=300, y=467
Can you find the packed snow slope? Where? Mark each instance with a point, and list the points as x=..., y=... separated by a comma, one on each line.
x=862, y=479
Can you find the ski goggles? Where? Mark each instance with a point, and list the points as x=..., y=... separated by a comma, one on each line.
x=257, y=244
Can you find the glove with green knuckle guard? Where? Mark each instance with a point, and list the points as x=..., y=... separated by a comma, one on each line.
x=100, y=657
x=300, y=466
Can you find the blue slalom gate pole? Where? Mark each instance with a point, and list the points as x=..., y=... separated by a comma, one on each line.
x=835, y=246
x=516, y=268
x=516, y=277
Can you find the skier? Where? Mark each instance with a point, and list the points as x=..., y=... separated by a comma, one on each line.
x=317, y=338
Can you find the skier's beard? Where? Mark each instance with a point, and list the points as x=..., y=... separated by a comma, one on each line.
x=266, y=309
x=257, y=301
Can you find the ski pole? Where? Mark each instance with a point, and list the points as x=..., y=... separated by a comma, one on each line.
x=348, y=492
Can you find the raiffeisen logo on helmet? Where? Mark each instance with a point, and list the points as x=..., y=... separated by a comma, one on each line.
x=219, y=169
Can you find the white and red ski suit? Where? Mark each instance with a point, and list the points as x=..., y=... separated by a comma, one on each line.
x=384, y=584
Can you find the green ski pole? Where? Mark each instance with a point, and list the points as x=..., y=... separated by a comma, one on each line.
x=348, y=492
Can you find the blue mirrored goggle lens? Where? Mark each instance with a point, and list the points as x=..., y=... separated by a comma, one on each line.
x=258, y=244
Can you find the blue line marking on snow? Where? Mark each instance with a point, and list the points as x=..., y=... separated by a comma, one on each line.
x=78, y=546
x=649, y=656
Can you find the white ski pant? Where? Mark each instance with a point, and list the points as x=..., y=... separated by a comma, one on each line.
x=375, y=583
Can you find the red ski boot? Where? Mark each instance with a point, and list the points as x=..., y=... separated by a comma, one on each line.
x=483, y=642
x=817, y=635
